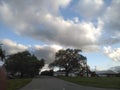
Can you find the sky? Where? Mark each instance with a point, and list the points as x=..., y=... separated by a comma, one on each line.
x=45, y=26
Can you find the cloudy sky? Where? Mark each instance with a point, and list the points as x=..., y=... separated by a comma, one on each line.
x=45, y=26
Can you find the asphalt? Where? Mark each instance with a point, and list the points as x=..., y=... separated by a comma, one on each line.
x=51, y=83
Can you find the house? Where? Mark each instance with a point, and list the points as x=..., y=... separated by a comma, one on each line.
x=62, y=73
x=108, y=73
x=59, y=73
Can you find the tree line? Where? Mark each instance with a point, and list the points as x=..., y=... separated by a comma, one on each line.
x=28, y=65
x=24, y=63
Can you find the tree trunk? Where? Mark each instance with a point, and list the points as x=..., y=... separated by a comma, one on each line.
x=66, y=73
x=21, y=75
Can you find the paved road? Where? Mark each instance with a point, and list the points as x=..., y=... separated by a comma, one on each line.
x=51, y=83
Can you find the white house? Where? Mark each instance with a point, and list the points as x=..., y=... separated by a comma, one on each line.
x=107, y=73
x=62, y=73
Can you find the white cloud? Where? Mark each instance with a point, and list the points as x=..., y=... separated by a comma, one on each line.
x=12, y=47
x=42, y=20
x=111, y=27
x=89, y=8
x=113, y=54
x=112, y=15
x=46, y=52
x=46, y=67
x=5, y=12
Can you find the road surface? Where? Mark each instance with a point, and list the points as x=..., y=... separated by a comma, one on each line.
x=51, y=83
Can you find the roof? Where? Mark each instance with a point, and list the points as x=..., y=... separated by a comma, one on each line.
x=106, y=72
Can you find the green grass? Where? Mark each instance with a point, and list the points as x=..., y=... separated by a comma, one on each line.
x=15, y=84
x=102, y=82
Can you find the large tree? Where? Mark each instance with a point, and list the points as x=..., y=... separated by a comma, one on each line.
x=24, y=63
x=69, y=59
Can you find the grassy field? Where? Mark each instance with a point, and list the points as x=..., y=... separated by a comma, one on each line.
x=15, y=84
x=102, y=82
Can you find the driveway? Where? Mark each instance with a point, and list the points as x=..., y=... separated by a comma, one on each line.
x=51, y=83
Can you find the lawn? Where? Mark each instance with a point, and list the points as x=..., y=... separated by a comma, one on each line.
x=15, y=84
x=102, y=82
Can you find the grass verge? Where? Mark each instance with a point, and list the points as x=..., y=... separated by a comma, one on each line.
x=102, y=82
x=15, y=84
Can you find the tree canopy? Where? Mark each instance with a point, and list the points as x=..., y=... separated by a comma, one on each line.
x=24, y=63
x=69, y=59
